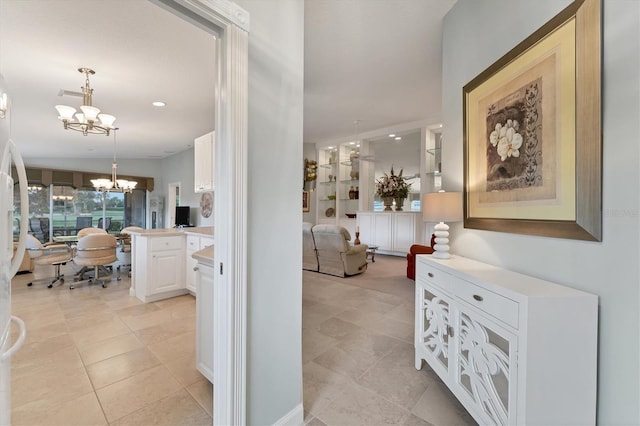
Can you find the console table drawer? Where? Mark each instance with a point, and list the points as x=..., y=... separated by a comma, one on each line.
x=499, y=307
x=434, y=276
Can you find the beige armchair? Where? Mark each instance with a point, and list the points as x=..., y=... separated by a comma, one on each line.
x=335, y=255
x=309, y=255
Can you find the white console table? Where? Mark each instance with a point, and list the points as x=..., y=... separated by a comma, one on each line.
x=513, y=349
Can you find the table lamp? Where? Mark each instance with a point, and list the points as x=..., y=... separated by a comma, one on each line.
x=442, y=207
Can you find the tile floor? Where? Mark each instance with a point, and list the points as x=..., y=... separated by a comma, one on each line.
x=96, y=356
x=358, y=357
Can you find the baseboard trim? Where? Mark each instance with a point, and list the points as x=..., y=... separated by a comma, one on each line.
x=294, y=417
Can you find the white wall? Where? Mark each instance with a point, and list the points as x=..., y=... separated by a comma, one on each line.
x=179, y=168
x=274, y=268
x=478, y=32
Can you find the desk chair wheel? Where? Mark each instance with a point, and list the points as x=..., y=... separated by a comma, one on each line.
x=29, y=284
x=53, y=282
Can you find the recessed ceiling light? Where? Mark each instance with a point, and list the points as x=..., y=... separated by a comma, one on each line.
x=392, y=135
x=158, y=104
x=397, y=138
x=329, y=147
x=358, y=145
x=352, y=143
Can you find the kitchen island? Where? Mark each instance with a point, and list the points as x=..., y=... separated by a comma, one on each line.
x=159, y=259
x=204, y=311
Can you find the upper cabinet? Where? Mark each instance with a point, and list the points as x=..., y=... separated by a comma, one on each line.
x=204, y=160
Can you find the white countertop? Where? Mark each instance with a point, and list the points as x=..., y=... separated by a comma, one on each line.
x=167, y=232
x=204, y=256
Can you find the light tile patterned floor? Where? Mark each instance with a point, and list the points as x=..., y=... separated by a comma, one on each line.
x=358, y=357
x=97, y=356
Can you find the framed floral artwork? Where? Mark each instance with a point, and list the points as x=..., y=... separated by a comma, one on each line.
x=532, y=133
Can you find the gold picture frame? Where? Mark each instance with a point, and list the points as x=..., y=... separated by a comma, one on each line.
x=532, y=133
x=305, y=201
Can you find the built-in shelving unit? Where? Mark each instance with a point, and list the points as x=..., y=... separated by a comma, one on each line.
x=338, y=184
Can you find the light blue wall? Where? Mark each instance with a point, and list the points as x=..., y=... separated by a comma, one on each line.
x=179, y=168
x=274, y=238
x=478, y=32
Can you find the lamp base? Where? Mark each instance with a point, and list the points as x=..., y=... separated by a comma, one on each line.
x=441, y=246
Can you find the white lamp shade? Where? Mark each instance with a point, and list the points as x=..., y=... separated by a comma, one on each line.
x=102, y=183
x=127, y=184
x=80, y=118
x=107, y=120
x=66, y=112
x=90, y=112
x=442, y=207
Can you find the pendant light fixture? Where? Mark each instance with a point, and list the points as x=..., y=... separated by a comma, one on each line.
x=115, y=184
x=90, y=120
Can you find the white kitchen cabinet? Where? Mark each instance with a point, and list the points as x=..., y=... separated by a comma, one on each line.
x=204, y=161
x=194, y=243
x=204, y=320
x=392, y=232
x=513, y=349
x=158, y=267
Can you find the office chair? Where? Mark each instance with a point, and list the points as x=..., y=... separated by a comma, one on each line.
x=49, y=254
x=95, y=250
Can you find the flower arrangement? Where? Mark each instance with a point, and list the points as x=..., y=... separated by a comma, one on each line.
x=392, y=185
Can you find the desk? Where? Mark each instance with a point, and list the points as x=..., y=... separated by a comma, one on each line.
x=371, y=250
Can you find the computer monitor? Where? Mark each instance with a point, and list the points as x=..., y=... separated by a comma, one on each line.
x=182, y=216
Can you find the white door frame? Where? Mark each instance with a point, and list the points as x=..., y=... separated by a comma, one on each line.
x=230, y=25
x=172, y=194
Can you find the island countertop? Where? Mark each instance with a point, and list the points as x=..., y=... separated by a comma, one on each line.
x=204, y=256
x=168, y=232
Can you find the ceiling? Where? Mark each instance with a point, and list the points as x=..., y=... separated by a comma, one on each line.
x=378, y=61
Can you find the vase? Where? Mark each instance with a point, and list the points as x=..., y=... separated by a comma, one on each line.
x=388, y=202
x=399, y=203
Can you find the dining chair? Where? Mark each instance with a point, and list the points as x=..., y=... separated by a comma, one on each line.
x=95, y=250
x=84, y=222
x=48, y=254
x=124, y=251
x=108, y=223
